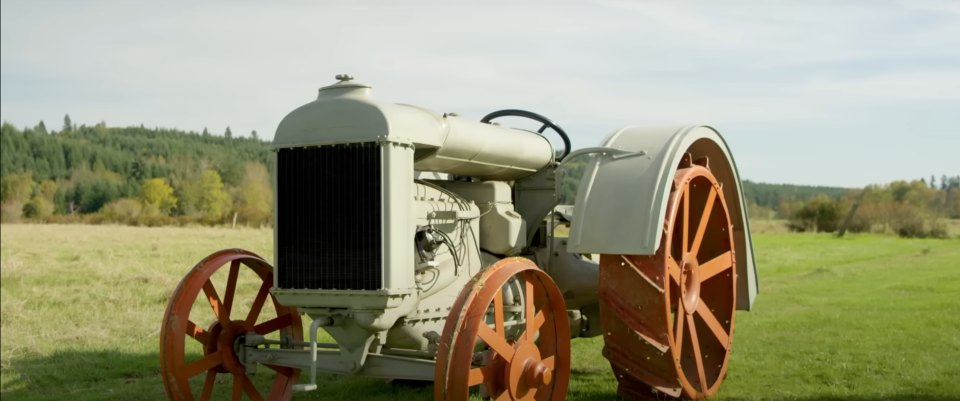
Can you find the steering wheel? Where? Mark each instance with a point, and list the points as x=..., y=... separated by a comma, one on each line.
x=535, y=117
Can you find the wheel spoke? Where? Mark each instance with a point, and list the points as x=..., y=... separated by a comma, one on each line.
x=237, y=388
x=718, y=331
x=274, y=324
x=716, y=266
x=257, y=304
x=679, y=334
x=280, y=388
x=695, y=341
x=496, y=341
x=686, y=219
x=476, y=377
x=215, y=303
x=538, y=321
x=498, y=313
x=673, y=269
x=231, y=288
x=206, y=363
x=208, y=386
x=197, y=332
x=249, y=388
x=528, y=303
x=704, y=219
x=550, y=362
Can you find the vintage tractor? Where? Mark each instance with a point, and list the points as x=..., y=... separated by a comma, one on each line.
x=432, y=248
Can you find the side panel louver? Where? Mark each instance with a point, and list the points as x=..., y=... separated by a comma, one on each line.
x=329, y=217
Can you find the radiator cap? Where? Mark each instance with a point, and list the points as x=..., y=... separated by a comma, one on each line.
x=345, y=86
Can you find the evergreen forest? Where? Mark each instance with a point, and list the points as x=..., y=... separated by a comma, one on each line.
x=133, y=175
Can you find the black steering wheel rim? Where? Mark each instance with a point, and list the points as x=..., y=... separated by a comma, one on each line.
x=535, y=117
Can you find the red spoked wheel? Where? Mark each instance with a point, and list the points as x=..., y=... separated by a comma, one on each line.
x=203, y=326
x=488, y=340
x=668, y=318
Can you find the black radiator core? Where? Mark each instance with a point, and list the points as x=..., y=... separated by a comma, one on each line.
x=328, y=217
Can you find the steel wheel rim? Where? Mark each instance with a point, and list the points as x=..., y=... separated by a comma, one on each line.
x=701, y=290
x=520, y=368
x=215, y=339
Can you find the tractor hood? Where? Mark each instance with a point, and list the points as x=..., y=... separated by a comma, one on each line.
x=346, y=112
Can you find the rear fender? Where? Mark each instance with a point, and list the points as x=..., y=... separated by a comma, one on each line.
x=622, y=198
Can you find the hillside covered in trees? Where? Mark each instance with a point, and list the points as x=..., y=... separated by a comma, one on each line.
x=133, y=175
x=152, y=176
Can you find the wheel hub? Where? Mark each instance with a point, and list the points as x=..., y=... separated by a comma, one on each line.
x=536, y=373
x=526, y=371
x=222, y=340
x=690, y=284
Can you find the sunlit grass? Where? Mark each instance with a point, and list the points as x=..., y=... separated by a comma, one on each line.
x=863, y=317
x=860, y=318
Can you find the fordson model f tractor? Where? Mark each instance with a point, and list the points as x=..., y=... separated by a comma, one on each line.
x=427, y=248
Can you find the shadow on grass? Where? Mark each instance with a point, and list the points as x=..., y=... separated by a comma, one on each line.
x=113, y=375
x=83, y=375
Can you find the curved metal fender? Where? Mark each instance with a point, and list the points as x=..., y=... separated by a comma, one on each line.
x=623, y=195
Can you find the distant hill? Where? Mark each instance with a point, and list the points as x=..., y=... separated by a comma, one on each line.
x=80, y=170
x=133, y=152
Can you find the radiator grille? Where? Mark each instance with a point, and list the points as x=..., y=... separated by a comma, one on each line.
x=328, y=217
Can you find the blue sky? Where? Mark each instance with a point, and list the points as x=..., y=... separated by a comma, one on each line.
x=820, y=93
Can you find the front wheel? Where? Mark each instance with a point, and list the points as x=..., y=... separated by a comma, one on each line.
x=507, y=333
x=206, y=318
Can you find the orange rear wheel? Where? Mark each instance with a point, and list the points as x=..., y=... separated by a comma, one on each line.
x=668, y=318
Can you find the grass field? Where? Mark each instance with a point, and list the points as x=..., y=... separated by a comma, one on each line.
x=860, y=318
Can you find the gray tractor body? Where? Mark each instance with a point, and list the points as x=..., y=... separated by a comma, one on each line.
x=385, y=211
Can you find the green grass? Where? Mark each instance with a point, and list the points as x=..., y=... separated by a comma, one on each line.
x=863, y=317
x=860, y=318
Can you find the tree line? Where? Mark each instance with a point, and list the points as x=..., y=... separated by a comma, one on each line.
x=153, y=176
x=132, y=175
x=915, y=208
